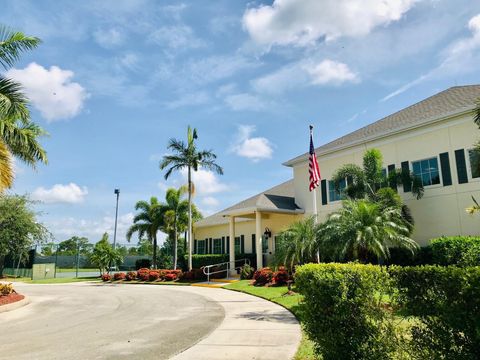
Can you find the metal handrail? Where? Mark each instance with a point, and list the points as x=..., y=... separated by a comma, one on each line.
x=228, y=263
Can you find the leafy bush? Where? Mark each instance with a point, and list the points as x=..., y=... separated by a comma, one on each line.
x=449, y=250
x=131, y=275
x=143, y=274
x=246, y=272
x=143, y=264
x=471, y=257
x=404, y=257
x=446, y=302
x=194, y=274
x=119, y=276
x=280, y=277
x=6, y=289
x=342, y=312
x=153, y=275
x=263, y=277
x=170, y=277
x=106, y=277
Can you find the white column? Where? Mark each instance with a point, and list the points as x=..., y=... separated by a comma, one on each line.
x=232, y=244
x=258, y=237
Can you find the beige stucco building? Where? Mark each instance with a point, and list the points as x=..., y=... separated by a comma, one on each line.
x=432, y=138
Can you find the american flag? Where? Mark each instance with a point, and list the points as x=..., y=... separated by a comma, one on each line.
x=313, y=168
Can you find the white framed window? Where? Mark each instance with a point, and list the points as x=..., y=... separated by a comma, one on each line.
x=427, y=170
x=473, y=163
x=333, y=194
x=238, y=247
x=201, y=247
x=217, y=246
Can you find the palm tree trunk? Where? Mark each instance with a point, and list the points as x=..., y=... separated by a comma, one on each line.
x=175, y=250
x=154, y=261
x=190, y=218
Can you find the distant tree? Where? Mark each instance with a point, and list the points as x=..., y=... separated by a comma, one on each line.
x=48, y=249
x=147, y=222
x=73, y=245
x=18, y=134
x=19, y=228
x=104, y=255
x=187, y=156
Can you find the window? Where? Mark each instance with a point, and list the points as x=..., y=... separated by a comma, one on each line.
x=201, y=247
x=217, y=246
x=384, y=183
x=427, y=171
x=264, y=244
x=237, y=245
x=474, y=157
x=333, y=194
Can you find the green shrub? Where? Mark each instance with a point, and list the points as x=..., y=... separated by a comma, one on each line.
x=449, y=250
x=342, y=310
x=404, y=257
x=143, y=263
x=446, y=302
x=246, y=272
x=471, y=257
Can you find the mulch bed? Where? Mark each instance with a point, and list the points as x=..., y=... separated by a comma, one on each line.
x=8, y=299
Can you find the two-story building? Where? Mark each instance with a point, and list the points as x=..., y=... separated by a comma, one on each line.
x=432, y=138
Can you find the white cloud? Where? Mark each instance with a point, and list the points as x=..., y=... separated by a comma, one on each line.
x=59, y=193
x=331, y=72
x=462, y=56
x=302, y=22
x=253, y=148
x=108, y=38
x=206, y=182
x=210, y=201
x=177, y=37
x=244, y=101
x=51, y=91
x=303, y=73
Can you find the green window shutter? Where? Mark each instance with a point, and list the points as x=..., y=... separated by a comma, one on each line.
x=406, y=169
x=242, y=244
x=205, y=251
x=461, y=166
x=228, y=244
x=210, y=246
x=323, y=185
x=195, y=246
x=223, y=244
x=254, y=248
x=393, y=182
x=445, y=166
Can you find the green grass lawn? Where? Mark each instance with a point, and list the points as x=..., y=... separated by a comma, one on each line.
x=291, y=302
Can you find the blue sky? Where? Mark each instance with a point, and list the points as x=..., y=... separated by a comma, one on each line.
x=114, y=80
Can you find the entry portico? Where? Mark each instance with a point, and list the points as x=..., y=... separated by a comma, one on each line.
x=262, y=217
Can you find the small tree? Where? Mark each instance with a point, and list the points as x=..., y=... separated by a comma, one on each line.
x=19, y=229
x=104, y=255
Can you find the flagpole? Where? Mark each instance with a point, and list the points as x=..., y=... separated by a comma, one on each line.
x=315, y=211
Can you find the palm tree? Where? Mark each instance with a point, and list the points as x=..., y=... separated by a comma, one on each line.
x=147, y=223
x=362, y=227
x=18, y=135
x=187, y=156
x=104, y=255
x=297, y=244
x=174, y=211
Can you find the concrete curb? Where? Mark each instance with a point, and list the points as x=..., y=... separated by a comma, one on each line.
x=15, y=305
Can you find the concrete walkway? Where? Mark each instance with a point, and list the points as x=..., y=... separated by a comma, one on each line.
x=99, y=321
x=253, y=328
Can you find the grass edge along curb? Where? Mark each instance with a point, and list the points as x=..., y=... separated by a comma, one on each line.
x=305, y=342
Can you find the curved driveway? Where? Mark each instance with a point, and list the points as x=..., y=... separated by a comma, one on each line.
x=98, y=321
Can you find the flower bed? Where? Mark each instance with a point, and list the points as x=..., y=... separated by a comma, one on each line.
x=8, y=295
x=146, y=275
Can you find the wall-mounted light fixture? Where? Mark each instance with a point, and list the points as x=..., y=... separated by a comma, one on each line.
x=267, y=233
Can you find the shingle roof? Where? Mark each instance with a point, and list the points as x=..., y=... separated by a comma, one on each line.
x=278, y=198
x=454, y=100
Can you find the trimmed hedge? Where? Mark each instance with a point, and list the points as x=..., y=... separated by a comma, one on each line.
x=450, y=250
x=342, y=312
x=446, y=301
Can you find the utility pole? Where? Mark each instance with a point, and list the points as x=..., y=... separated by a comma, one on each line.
x=116, y=192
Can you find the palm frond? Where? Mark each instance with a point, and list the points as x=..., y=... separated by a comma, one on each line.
x=13, y=102
x=13, y=44
x=6, y=167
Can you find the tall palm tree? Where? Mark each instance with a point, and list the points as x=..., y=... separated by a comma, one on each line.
x=175, y=209
x=18, y=134
x=147, y=222
x=187, y=156
x=362, y=227
x=297, y=244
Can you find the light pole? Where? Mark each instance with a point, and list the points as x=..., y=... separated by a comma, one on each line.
x=116, y=192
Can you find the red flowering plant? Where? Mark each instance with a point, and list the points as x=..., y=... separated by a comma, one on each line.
x=262, y=277
x=281, y=276
x=131, y=275
x=153, y=275
x=106, y=277
x=170, y=277
x=143, y=274
x=119, y=276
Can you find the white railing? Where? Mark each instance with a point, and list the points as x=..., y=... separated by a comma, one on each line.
x=230, y=265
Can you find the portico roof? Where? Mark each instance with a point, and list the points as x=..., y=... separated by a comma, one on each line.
x=279, y=199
